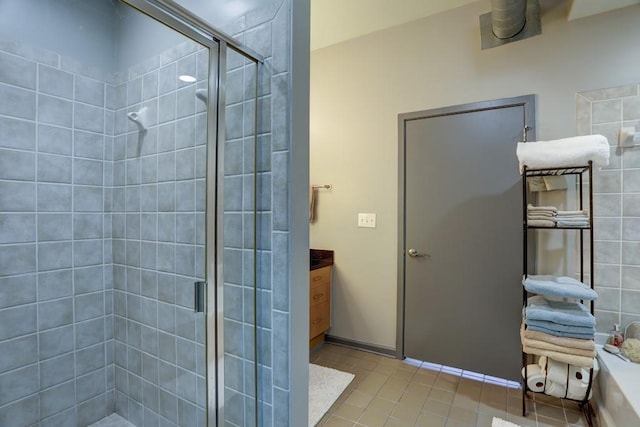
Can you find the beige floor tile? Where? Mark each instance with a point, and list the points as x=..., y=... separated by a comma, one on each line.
x=417, y=388
x=359, y=399
x=394, y=422
x=529, y=421
x=456, y=423
x=436, y=407
x=446, y=382
x=424, y=377
x=382, y=405
x=406, y=413
x=549, y=411
x=464, y=415
x=427, y=419
x=338, y=422
x=441, y=395
x=550, y=422
x=373, y=418
x=462, y=401
x=390, y=392
x=413, y=399
x=575, y=417
x=349, y=412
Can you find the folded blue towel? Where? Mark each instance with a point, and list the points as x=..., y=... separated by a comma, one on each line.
x=560, y=312
x=559, y=286
x=582, y=336
x=562, y=223
x=559, y=330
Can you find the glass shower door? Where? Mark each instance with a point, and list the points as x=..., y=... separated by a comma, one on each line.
x=161, y=137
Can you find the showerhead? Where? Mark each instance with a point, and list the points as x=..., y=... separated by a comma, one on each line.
x=139, y=118
x=202, y=95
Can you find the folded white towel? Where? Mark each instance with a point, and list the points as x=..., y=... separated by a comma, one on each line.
x=531, y=208
x=569, y=213
x=541, y=223
x=566, y=152
x=540, y=215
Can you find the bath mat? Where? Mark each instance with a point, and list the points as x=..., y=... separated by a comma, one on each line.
x=325, y=387
x=499, y=422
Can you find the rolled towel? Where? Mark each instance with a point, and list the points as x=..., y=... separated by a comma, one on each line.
x=565, y=152
x=559, y=286
x=559, y=312
x=568, y=343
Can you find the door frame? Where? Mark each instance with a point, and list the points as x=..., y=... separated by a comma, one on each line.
x=528, y=102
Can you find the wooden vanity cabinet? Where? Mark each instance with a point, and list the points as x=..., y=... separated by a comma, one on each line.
x=319, y=304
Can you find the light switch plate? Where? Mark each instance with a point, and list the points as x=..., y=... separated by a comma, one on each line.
x=367, y=220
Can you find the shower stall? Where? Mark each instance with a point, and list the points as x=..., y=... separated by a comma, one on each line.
x=133, y=169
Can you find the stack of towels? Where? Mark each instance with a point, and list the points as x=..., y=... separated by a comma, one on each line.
x=557, y=326
x=541, y=216
x=572, y=218
x=550, y=216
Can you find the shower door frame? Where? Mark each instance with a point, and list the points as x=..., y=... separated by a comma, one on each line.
x=190, y=25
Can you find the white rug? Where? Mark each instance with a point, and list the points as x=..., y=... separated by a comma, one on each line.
x=499, y=422
x=325, y=387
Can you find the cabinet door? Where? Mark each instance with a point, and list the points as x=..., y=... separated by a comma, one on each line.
x=319, y=319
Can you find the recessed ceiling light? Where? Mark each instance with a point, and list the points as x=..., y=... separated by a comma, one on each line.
x=187, y=78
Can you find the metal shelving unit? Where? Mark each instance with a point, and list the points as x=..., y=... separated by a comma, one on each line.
x=578, y=172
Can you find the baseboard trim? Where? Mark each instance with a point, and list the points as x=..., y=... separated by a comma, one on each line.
x=371, y=348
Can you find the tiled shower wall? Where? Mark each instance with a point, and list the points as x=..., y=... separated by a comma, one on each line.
x=159, y=200
x=55, y=256
x=616, y=191
x=267, y=31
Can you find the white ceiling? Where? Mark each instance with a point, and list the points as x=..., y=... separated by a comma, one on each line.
x=335, y=21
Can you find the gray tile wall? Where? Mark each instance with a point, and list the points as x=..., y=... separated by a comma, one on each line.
x=158, y=240
x=616, y=191
x=136, y=218
x=56, y=347
x=267, y=32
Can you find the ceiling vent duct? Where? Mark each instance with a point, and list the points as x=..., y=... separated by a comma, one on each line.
x=508, y=17
x=509, y=21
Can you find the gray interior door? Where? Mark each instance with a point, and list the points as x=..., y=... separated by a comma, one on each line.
x=462, y=211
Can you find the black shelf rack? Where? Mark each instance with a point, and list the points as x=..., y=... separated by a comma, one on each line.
x=578, y=172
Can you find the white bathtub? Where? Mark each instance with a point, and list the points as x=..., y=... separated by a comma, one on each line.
x=617, y=392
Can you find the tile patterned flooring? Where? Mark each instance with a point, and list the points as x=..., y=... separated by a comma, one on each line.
x=392, y=393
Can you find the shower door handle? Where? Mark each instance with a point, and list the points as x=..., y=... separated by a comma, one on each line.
x=199, y=300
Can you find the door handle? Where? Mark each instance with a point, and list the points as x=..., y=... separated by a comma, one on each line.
x=415, y=254
x=199, y=293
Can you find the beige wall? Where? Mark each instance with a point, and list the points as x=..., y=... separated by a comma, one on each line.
x=359, y=87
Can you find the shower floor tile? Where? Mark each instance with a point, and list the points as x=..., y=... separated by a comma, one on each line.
x=113, y=420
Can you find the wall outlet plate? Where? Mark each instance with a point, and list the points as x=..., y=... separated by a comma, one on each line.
x=367, y=220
